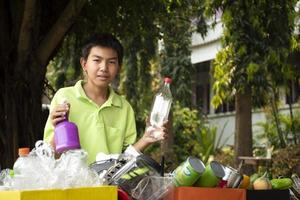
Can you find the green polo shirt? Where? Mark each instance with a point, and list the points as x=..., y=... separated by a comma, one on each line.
x=108, y=128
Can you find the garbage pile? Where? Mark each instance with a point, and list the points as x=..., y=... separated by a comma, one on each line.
x=40, y=170
x=137, y=176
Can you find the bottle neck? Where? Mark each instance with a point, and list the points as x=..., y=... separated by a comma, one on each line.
x=63, y=121
x=66, y=117
x=166, y=89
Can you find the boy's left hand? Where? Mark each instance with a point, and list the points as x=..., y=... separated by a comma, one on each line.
x=152, y=135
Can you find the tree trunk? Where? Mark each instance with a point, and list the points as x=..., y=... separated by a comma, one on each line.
x=243, y=127
x=23, y=67
x=58, y=31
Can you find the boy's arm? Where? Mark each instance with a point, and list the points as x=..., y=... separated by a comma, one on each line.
x=141, y=145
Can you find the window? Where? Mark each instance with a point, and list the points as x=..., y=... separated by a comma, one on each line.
x=203, y=98
x=202, y=86
x=228, y=106
x=202, y=91
x=292, y=96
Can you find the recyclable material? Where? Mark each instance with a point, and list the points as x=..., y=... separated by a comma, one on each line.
x=40, y=170
x=188, y=172
x=217, y=168
x=262, y=183
x=161, y=105
x=211, y=176
x=253, y=177
x=153, y=187
x=234, y=178
x=296, y=180
x=66, y=136
x=296, y=186
x=21, y=161
x=245, y=182
x=123, y=195
x=159, y=115
x=86, y=193
x=127, y=170
x=281, y=183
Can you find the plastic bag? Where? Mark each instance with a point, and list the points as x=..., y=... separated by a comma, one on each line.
x=152, y=188
x=41, y=170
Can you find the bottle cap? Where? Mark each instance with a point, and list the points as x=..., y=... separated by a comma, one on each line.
x=23, y=151
x=167, y=80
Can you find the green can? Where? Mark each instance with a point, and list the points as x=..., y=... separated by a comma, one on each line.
x=188, y=172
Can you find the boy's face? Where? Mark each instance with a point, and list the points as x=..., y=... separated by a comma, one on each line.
x=101, y=66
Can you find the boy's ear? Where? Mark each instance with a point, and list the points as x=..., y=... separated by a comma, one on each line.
x=83, y=63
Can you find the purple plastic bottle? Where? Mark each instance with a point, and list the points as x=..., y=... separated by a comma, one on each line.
x=66, y=136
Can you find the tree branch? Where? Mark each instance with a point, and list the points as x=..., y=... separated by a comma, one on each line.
x=58, y=31
x=25, y=36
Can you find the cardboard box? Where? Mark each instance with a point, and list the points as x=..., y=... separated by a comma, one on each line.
x=196, y=193
x=87, y=193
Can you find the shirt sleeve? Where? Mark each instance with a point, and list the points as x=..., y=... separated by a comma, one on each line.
x=49, y=128
x=131, y=134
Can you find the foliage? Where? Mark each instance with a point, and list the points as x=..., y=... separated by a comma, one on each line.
x=286, y=161
x=65, y=68
x=225, y=156
x=169, y=25
x=31, y=32
x=186, y=126
x=176, y=39
x=289, y=124
x=252, y=62
x=39, y=31
x=256, y=45
x=268, y=129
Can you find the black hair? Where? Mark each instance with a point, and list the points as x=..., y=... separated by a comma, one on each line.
x=102, y=40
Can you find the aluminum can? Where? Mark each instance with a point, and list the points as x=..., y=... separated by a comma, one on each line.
x=188, y=172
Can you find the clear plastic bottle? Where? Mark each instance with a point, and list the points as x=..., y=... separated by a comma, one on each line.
x=22, y=161
x=161, y=104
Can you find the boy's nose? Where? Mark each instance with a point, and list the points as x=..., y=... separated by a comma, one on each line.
x=103, y=66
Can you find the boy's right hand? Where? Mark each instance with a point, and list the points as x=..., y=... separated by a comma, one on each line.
x=58, y=113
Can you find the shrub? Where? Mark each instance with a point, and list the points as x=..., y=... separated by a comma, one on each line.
x=286, y=161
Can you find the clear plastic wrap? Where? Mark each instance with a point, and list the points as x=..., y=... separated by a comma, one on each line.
x=40, y=170
x=152, y=188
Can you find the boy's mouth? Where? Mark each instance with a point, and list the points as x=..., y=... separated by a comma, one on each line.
x=102, y=77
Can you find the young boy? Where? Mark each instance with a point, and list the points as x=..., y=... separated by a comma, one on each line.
x=105, y=120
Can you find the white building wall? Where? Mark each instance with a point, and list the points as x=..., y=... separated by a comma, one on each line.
x=206, y=48
x=225, y=124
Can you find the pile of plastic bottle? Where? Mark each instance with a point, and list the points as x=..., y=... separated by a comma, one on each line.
x=39, y=169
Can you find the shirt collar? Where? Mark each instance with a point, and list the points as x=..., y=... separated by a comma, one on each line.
x=113, y=98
